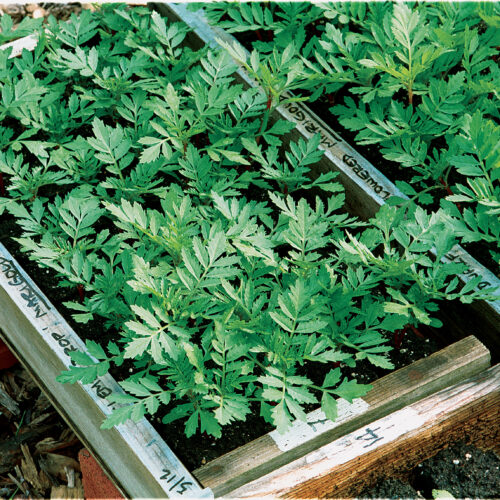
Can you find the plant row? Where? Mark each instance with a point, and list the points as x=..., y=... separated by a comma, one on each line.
x=419, y=81
x=158, y=188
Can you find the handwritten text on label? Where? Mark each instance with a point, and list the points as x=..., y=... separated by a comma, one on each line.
x=33, y=300
x=317, y=424
x=311, y=126
x=354, y=444
x=469, y=273
x=170, y=477
x=36, y=302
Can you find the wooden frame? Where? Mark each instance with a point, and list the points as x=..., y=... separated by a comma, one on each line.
x=135, y=457
x=343, y=468
x=366, y=188
x=389, y=394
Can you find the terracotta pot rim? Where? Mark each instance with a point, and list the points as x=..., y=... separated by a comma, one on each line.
x=7, y=359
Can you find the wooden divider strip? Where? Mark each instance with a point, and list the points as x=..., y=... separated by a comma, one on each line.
x=26, y=42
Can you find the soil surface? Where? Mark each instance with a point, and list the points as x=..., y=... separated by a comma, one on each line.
x=462, y=470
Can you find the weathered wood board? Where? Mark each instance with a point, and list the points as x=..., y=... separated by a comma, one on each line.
x=134, y=455
x=344, y=467
x=390, y=393
x=24, y=43
x=366, y=188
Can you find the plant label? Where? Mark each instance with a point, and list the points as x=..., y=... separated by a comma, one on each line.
x=317, y=424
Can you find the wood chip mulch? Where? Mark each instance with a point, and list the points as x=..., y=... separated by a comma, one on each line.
x=61, y=11
x=38, y=452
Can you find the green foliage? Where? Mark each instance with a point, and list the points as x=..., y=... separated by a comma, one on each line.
x=26, y=27
x=146, y=176
x=414, y=75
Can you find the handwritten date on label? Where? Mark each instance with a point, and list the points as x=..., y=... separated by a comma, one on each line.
x=179, y=484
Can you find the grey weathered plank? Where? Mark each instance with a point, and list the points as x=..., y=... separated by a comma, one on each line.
x=391, y=445
x=390, y=393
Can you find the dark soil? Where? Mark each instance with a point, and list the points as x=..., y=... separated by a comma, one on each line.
x=462, y=470
x=391, y=489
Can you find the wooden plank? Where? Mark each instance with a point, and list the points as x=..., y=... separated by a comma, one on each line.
x=400, y=441
x=366, y=188
x=390, y=393
x=133, y=454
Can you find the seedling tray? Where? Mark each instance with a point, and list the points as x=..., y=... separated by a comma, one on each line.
x=142, y=465
x=366, y=188
x=138, y=460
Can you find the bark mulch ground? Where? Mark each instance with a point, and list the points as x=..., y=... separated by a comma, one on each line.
x=38, y=452
x=61, y=11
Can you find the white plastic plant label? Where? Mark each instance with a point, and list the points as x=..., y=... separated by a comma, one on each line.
x=317, y=424
x=367, y=438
